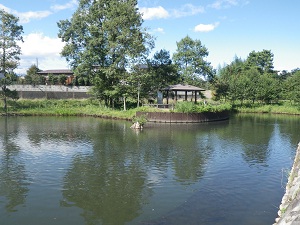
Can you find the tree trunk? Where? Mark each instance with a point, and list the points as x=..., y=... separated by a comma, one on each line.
x=5, y=104
x=138, y=97
x=124, y=99
x=4, y=98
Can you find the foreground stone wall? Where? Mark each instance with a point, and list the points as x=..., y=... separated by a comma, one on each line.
x=289, y=210
x=50, y=91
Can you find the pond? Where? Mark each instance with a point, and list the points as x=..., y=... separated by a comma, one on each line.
x=66, y=170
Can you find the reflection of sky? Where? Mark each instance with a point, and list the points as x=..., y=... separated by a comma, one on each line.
x=49, y=161
x=50, y=157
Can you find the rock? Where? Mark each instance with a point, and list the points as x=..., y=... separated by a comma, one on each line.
x=136, y=125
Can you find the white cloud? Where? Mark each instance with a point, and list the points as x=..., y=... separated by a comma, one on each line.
x=159, y=30
x=69, y=5
x=46, y=50
x=205, y=27
x=154, y=13
x=223, y=4
x=5, y=8
x=188, y=10
x=26, y=17
x=39, y=45
x=161, y=13
x=220, y=4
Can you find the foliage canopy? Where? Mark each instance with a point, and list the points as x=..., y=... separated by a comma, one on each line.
x=10, y=34
x=104, y=39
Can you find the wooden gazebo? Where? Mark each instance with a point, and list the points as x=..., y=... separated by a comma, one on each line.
x=183, y=88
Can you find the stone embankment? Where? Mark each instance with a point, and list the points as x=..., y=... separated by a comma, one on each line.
x=289, y=211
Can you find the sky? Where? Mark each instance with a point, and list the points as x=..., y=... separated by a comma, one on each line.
x=227, y=28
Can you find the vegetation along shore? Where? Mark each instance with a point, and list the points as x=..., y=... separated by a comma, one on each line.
x=91, y=107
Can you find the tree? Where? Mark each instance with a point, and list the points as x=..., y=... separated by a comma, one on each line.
x=163, y=71
x=262, y=60
x=228, y=83
x=252, y=79
x=62, y=79
x=32, y=76
x=292, y=87
x=103, y=39
x=53, y=80
x=190, y=58
x=268, y=88
x=10, y=34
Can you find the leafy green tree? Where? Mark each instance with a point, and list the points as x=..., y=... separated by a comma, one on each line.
x=163, y=71
x=103, y=39
x=10, y=34
x=284, y=74
x=252, y=79
x=32, y=76
x=227, y=82
x=190, y=58
x=62, y=79
x=292, y=88
x=262, y=60
x=140, y=80
x=53, y=80
x=268, y=88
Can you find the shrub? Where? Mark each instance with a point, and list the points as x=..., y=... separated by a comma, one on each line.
x=190, y=107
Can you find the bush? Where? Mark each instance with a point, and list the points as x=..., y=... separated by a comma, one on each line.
x=186, y=107
x=140, y=119
x=190, y=107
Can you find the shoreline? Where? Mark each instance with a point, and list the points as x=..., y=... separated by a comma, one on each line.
x=289, y=209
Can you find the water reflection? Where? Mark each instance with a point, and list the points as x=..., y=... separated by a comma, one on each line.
x=109, y=184
x=13, y=179
x=93, y=171
x=118, y=177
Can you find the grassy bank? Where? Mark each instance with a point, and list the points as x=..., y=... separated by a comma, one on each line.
x=70, y=107
x=282, y=108
x=89, y=107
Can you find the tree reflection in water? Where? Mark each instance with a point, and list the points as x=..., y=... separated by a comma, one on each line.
x=114, y=183
x=13, y=178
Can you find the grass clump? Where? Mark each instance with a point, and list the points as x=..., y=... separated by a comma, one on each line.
x=280, y=108
x=70, y=107
x=191, y=107
x=140, y=119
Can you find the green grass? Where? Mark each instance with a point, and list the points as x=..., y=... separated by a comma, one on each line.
x=70, y=107
x=190, y=107
x=283, y=108
x=90, y=107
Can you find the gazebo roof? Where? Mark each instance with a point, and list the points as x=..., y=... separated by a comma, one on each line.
x=183, y=87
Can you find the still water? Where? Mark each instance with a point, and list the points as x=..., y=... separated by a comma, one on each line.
x=59, y=171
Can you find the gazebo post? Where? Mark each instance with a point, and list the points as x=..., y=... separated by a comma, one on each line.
x=185, y=88
x=167, y=97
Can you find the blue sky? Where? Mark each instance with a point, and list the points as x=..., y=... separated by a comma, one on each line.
x=228, y=28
